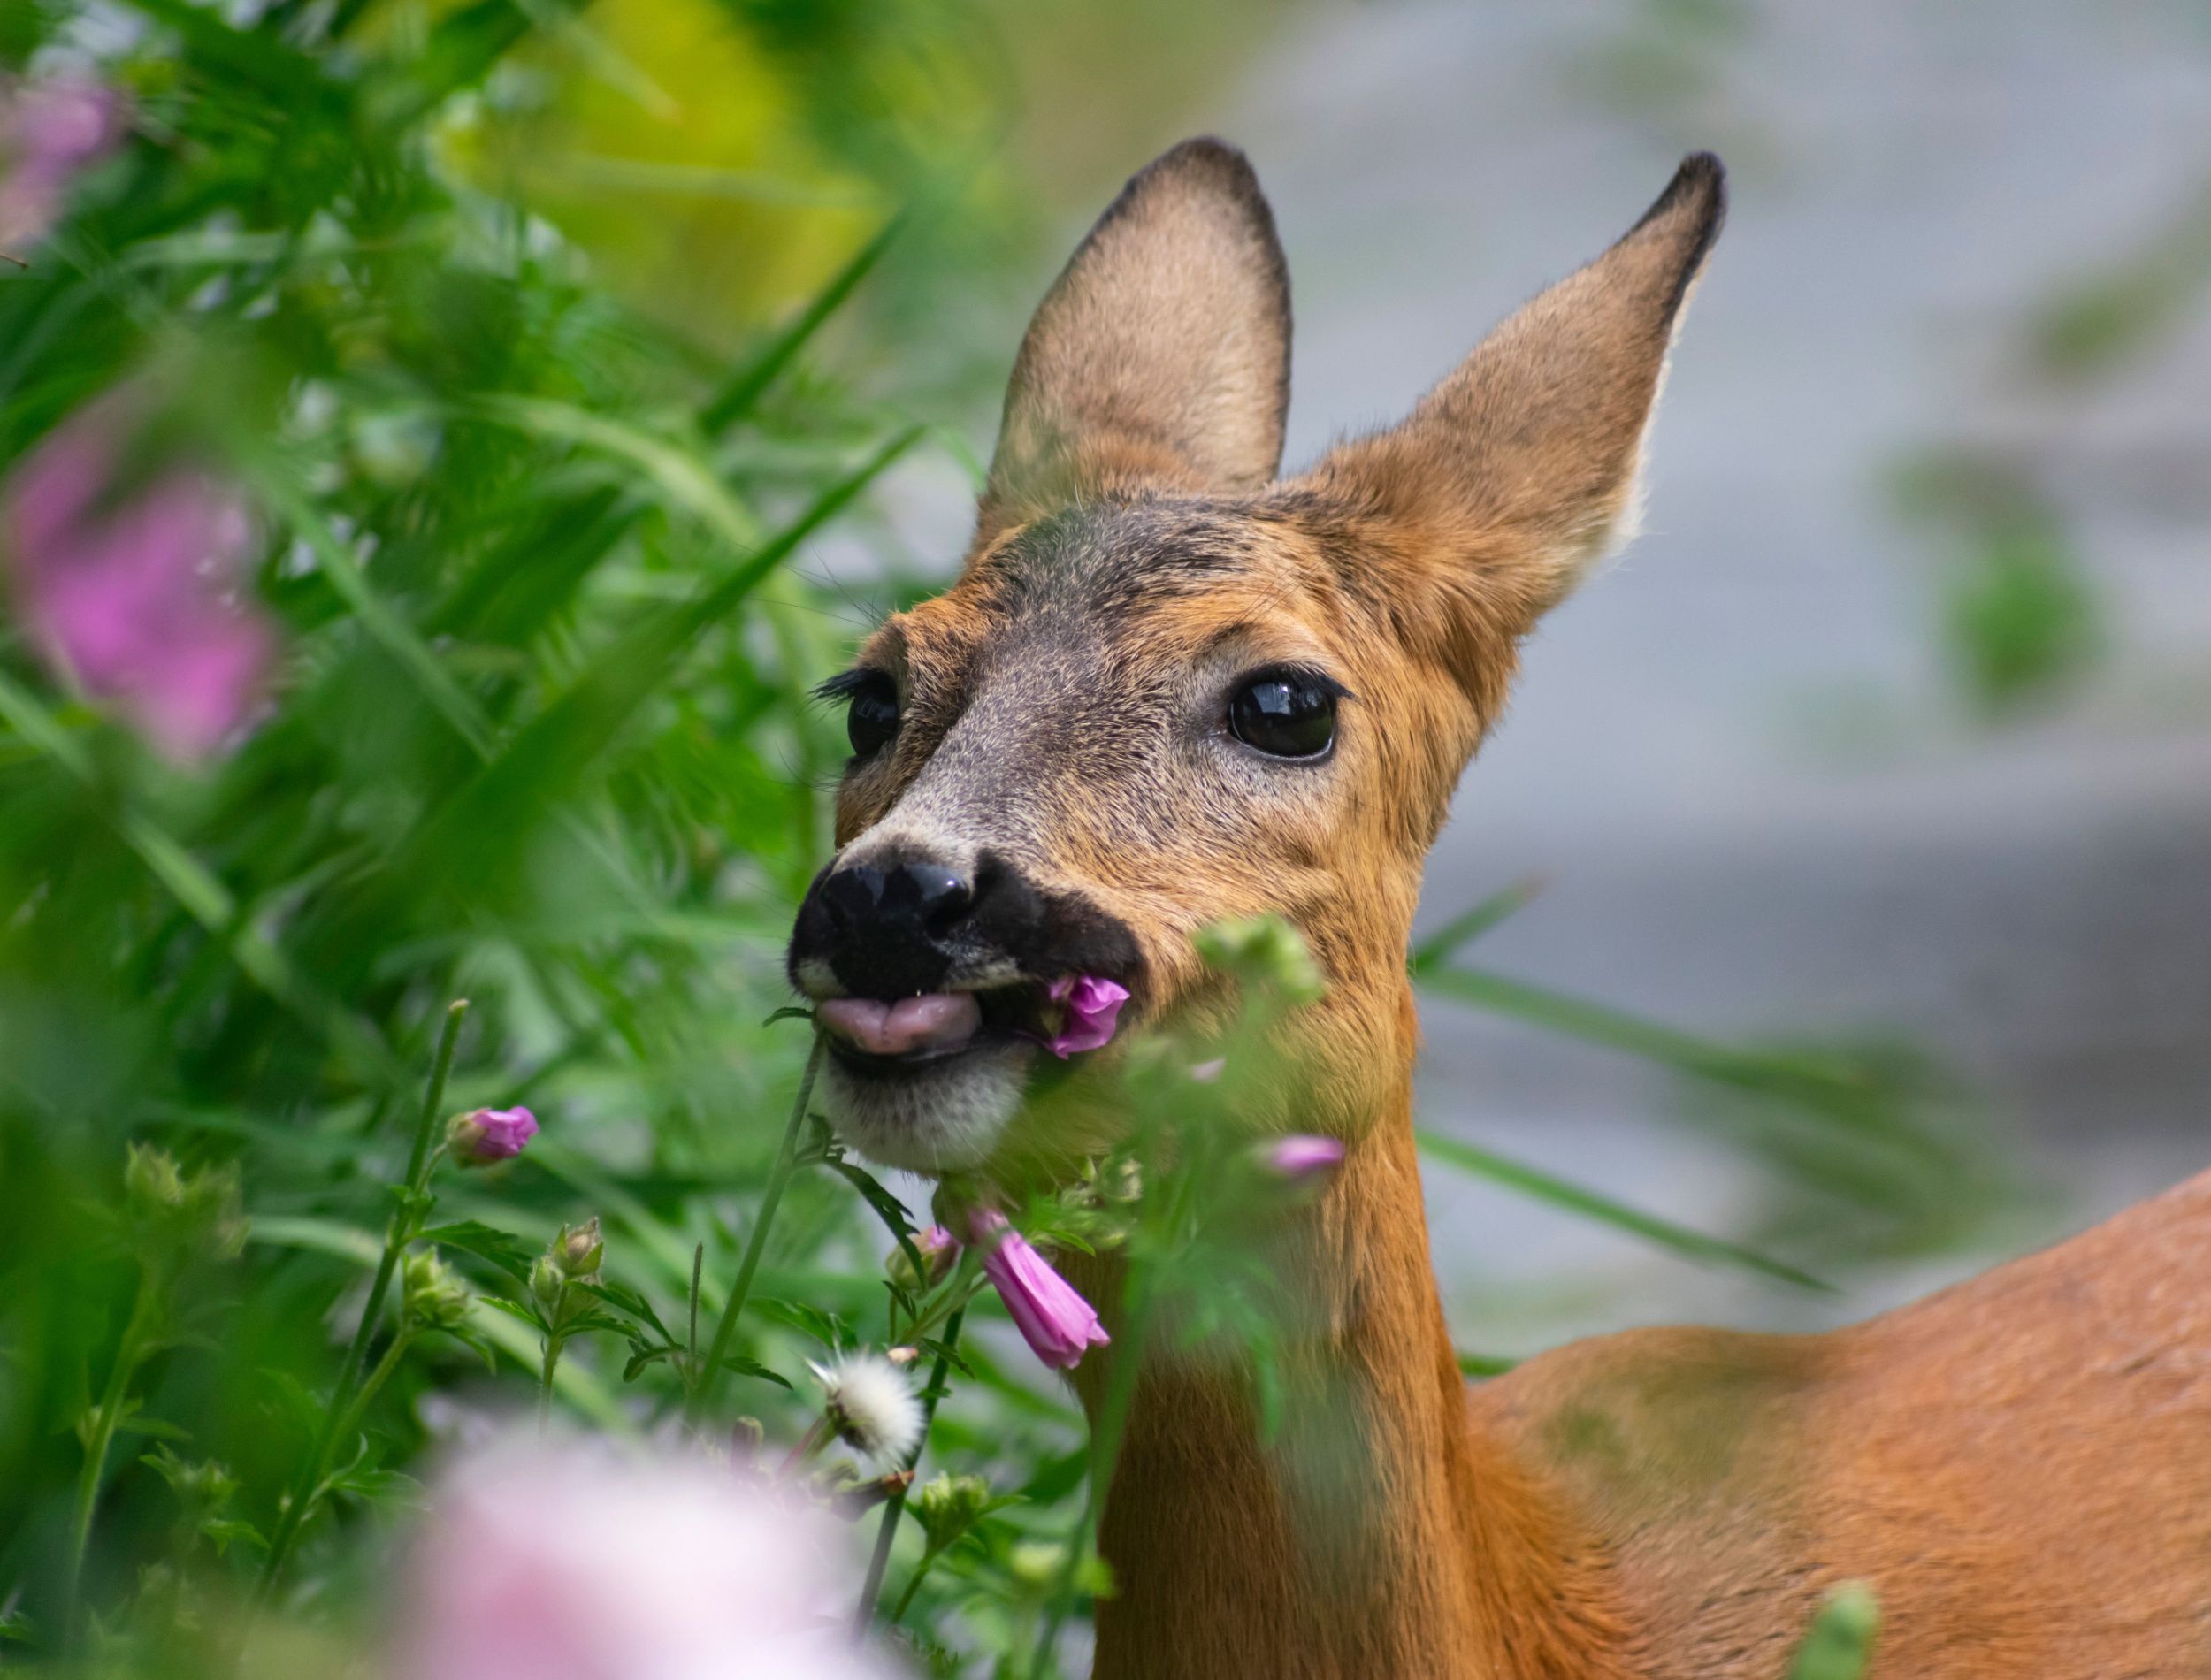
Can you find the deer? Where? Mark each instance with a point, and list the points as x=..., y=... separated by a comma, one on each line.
x=1171, y=686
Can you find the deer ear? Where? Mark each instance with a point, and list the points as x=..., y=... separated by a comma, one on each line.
x=1522, y=464
x=1160, y=357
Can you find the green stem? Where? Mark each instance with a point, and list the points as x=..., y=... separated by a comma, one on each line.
x=779, y=1175
x=359, y=1410
x=397, y=1235
x=545, y=1383
x=1112, y=1418
x=939, y=1375
x=913, y=1586
x=128, y=1354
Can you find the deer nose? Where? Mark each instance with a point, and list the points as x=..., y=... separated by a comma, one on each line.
x=886, y=924
x=907, y=899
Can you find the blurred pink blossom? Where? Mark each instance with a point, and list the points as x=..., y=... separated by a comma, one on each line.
x=49, y=131
x=1302, y=1157
x=130, y=588
x=1059, y=1325
x=1093, y=1009
x=568, y=1563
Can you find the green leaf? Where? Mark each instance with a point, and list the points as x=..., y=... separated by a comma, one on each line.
x=225, y=1529
x=946, y=1351
x=824, y=1327
x=641, y=1356
x=744, y=1367
x=887, y=1208
x=520, y=1309
x=502, y=1249
x=1533, y=1181
x=624, y=1298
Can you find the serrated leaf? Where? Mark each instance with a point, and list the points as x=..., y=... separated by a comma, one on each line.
x=224, y=1529
x=151, y=1428
x=600, y=1321
x=621, y=1297
x=470, y=1337
x=887, y=1208
x=826, y=1327
x=641, y=1356
x=528, y=1313
x=374, y=1483
x=502, y=1249
x=946, y=1351
x=744, y=1367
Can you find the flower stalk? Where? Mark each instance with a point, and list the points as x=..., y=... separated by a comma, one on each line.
x=129, y=1353
x=405, y=1221
x=707, y=1380
x=887, y=1531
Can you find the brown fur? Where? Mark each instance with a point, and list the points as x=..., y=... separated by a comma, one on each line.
x=2022, y=1467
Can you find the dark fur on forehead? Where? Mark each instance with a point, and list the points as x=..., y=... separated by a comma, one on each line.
x=1116, y=556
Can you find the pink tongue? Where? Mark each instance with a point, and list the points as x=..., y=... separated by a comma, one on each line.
x=934, y=1020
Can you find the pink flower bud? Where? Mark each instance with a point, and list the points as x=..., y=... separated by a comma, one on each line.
x=938, y=1249
x=1059, y=1325
x=1301, y=1158
x=1092, y=1007
x=488, y=1134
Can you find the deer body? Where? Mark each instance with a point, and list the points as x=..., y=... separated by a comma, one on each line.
x=1171, y=687
x=2016, y=1465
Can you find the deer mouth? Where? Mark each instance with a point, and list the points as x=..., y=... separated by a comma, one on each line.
x=888, y=1037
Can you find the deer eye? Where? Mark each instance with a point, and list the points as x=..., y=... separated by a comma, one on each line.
x=872, y=717
x=1286, y=713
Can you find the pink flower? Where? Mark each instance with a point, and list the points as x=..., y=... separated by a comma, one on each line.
x=1092, y=1010
x=130, y=589
x=568, y=1563
x=1301, y=1158
x=487, y=1135
x=1059, y=1325
x=49, y=131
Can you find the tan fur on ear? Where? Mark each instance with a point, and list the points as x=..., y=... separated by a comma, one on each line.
x=1160, y=357
x=1525, y=458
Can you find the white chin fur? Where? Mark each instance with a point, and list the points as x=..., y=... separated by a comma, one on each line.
x=933, y=1119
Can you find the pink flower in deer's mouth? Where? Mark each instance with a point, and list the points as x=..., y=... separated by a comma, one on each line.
x=1059, y=1325
x=1092, y=1010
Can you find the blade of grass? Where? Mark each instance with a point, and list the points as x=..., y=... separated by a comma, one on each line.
x=1825, y=1090
x=1463, y=929
x=745, y=387
x=1543, y=1186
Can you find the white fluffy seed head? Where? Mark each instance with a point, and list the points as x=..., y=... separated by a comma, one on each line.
x=872, y=1407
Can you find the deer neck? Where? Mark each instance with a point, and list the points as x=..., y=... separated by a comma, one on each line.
x=1380, y=1533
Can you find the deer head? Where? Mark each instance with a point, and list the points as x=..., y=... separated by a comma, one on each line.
x=1171, y=687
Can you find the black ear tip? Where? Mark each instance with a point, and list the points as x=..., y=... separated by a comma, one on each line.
x=1699, y=189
